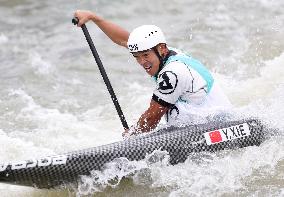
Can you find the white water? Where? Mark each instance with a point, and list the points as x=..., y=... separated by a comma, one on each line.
x=53, y=100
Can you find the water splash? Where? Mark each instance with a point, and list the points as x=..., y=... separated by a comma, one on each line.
x=120, y=168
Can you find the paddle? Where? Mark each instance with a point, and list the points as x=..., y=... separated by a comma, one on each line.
x=103, y=73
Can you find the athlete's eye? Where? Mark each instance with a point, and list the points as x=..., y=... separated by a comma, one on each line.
x=145, y=55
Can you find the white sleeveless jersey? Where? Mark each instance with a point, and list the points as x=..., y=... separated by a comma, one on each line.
x=184, y=91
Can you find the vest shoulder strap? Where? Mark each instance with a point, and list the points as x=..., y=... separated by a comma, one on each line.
x=196, y=65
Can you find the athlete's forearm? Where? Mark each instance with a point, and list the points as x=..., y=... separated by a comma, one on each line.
x=151, y=117
x=116, y=33
x=146, y=122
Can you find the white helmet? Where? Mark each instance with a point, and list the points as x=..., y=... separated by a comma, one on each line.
x=145, y=37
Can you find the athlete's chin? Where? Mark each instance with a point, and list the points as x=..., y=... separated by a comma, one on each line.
x=151, y=72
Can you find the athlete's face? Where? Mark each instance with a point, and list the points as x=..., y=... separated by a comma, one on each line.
x=149, y=60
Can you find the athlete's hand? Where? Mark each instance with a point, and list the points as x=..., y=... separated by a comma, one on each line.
x=125, y=134
x=129, y=133
x=84, y=16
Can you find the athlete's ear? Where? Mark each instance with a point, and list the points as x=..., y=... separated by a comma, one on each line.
x=162, y=46
x=163, y=49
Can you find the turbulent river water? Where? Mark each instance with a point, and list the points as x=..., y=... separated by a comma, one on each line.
x=53, y=99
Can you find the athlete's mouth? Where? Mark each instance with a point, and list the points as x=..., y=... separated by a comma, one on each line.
x=148, y=67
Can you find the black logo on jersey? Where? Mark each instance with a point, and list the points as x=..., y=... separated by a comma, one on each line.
x=172, y=113
x=167, y=82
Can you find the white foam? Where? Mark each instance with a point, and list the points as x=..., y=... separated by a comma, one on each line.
x=242, y=92
x=3, y=39
x=220, y=174
x=40, y=66
x=119, y=168
x=62, y=131
x=203, y=174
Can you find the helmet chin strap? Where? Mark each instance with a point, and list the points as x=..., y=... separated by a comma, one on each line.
x=161, y=59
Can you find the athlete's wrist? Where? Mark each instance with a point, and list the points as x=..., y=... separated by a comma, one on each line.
x=95, y=18
x=132, y=131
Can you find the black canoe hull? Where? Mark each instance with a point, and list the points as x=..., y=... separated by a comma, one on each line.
x=179, y=142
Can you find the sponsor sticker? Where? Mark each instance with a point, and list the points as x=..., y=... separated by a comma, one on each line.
x=133, y=47
x=227, y=134
x=48, y=161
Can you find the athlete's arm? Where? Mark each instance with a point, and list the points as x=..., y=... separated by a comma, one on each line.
x=151, y=117
x=116, y=33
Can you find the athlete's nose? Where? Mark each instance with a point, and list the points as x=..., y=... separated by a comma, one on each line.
x=141, y=61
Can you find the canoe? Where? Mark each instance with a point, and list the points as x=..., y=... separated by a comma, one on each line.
x=179, y=142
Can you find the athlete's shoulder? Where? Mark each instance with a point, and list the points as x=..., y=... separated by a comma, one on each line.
x=176, y=68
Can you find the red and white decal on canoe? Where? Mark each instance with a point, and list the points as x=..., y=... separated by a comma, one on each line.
x=227, y=134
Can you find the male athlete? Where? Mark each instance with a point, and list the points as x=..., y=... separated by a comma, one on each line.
x=184, y=87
